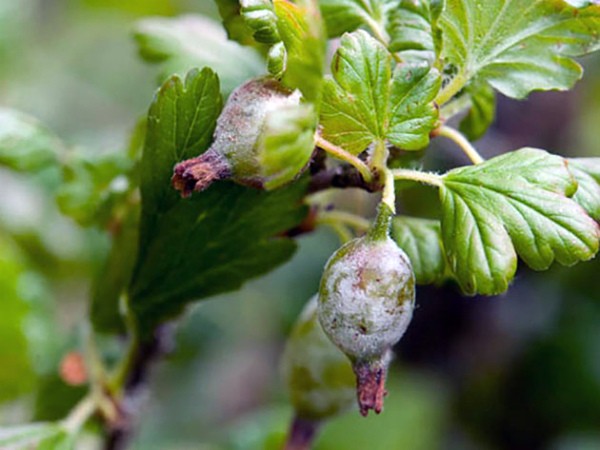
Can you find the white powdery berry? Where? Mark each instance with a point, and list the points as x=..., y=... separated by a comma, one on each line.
x=367, y=297
x=236, y=149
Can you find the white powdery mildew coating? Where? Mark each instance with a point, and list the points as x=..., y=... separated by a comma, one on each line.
x=244, y=115
x=367, y=297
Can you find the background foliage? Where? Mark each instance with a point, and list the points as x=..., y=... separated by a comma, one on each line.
x=515, y=371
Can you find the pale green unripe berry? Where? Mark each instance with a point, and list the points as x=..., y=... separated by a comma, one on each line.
x=318, y=376
x=366, y=301
x=241, y=150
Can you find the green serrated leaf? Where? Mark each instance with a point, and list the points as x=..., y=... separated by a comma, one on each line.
x=342, y=16
x=301, y=30
x=183, y=43
x=201, y=247
x=516, y=203
x=482, y=112
x=296, y=32
x=181, y=122
x=233, y=21
x=421, y=240
x=405, y=26
x=93, y=185
x=286, y=144
x=366, y=100
x=518, y=46
x=411, y=31
x=25, y=437
x=193, y=248
x=587, y=173
x=25, y=144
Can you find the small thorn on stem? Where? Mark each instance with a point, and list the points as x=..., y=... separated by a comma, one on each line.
x=197, y=174
x=370, y=386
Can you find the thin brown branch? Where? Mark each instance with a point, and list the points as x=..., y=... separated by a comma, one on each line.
x=147, y=354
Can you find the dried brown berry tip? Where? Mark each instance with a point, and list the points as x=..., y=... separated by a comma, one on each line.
x=370, y=386
x=198, y=173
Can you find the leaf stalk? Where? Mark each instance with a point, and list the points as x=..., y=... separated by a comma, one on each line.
x=431, y=179
x=451, y=89
x=389, y=190
x=340, y=153
x=459, y=139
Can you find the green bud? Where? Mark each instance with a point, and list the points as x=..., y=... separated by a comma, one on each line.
x=366, y=301
x=260, y=17
x=319, y=377
x=277, y=60
x=253, y=145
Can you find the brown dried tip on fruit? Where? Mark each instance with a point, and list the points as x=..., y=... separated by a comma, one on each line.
x=196, y=174
x=72, y=369
x=370, y=386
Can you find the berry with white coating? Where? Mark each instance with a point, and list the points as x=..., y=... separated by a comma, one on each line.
x=238, y=139
x=366, y=301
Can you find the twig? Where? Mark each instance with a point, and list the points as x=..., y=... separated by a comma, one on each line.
x=343, y=176
x=145, y=355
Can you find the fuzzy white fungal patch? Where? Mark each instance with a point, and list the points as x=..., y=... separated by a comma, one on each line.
x=243, y=118
x=367, y=297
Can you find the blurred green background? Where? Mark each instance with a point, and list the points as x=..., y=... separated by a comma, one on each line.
x=518, y=371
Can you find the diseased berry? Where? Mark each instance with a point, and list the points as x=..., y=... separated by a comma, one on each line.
x=318, y=376
x=366, y=300
x=239, y=150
